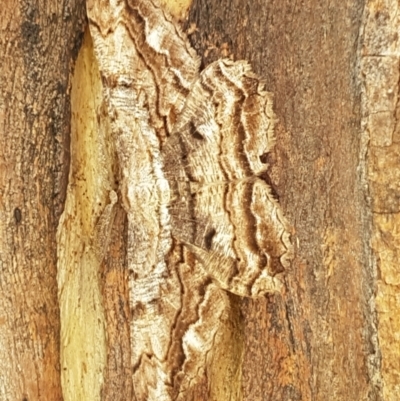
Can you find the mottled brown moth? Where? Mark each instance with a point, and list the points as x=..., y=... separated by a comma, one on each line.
x=190, y=146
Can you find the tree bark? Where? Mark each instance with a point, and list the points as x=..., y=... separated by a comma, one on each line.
x=334, y=72
x=38, y=45
x=320, y=340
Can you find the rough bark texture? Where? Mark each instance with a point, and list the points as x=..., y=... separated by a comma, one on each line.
x=334, y=169
x=39, y=40
x=114, y=278
x=380, y=67
x=318, y=341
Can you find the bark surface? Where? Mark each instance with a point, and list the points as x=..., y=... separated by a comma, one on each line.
x=38, y=43
x=333, y=69
x=319, y=341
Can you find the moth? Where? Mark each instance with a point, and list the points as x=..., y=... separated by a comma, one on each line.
x=201, y=218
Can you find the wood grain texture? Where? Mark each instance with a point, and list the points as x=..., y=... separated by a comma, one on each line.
x=201, y=218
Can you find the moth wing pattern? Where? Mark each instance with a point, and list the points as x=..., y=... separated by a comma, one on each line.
x=201, y=217
x=221, y=208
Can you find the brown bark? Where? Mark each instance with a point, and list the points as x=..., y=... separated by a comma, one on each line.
x=317, y=341
x=39, y=41
x=118, y=374
x=380, y=65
